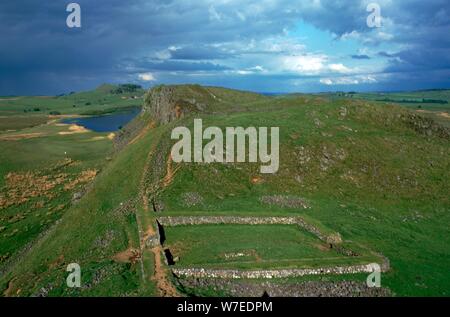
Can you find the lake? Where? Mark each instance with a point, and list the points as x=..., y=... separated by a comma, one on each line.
x=105, y=123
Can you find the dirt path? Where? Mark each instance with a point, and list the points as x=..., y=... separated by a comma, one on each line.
x=143, y=234
x=144, y=131
x=146, y=222
x=9, y=290
x=165, y=287
x=170, y=172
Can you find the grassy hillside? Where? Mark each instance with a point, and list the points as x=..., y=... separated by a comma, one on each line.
x=47, y=166
x=95, y=233
x=374, y=172
x=430, y=103
x=363, y=169
x=252, y=247
x=21, y=112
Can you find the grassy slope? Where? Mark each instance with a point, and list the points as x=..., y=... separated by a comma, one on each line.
x=27, y=111
x=88, y=150
x=389, y=193
x=262, y=246
x=77, y=103
x=45, y=156
x=91, y=233
x=438, y=111
x=41, y=155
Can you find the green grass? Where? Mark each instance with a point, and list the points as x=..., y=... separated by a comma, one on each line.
x=8, y=123
x=41, y=152
x=98, y=101
x=367, y=175
x=258, y=246
x=83, y=225
x=434, y=104
x=22, y=222
x=26, y=226
x=388, y=192
x=362, y=174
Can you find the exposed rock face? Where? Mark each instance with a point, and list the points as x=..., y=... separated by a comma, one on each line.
x=426, y=126
x=168, y=103
x=334, y=238
x=76, y=197
x=191, y=199
x=128, y=133
x=285, y=201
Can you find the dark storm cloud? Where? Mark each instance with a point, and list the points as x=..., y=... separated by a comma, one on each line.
x=363, y=56
x=119, y=39
x=174, y=65
x=420, y=60
x=192, y=52
x=35, y=38
x=385, y=54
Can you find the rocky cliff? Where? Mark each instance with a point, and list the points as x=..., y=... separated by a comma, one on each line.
x=168, y=103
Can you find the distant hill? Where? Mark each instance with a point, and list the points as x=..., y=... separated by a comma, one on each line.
x=106, y=88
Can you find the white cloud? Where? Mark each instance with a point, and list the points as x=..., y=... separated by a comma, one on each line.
x=339, y=68
x=163, y=55
x=349, y=80
x=257, y=68
x=353, y=35
x=251, y=70
x=243, y=72
x=326, y=81
x=383, y=36
x=147, y=77
x=304, y=64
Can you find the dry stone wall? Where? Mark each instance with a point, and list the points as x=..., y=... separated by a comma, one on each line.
x=269, y=274
x=202, y=220
x=203, y=273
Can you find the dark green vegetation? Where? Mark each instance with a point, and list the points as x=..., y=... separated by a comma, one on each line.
x=374, y=172
x=127, y=88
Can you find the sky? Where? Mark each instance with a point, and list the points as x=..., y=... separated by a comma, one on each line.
x=258, y=45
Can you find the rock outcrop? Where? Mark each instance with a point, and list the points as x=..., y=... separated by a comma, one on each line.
x=426, y=126
x=168, y=103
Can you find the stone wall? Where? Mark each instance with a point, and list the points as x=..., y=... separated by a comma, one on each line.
x=203, y=220
x=334, y=239
x=269, y=274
